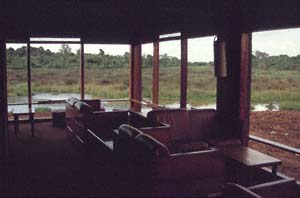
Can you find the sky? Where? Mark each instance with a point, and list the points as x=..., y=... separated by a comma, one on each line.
x=200, y=49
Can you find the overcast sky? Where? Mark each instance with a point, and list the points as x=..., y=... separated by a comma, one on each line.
x=201, y=49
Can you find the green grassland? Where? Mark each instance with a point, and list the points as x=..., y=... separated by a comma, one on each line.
x=268, y=85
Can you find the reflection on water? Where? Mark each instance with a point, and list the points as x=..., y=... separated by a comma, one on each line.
x=109, y=106
x=265, y=107
x=257, y=107
x=40, y=97
x=62, y=96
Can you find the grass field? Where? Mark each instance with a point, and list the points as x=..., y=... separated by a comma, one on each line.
x=269, y=86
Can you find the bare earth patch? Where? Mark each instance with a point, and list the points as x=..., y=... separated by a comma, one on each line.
x=279, y=126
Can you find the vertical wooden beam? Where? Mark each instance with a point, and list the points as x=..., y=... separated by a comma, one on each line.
x=183, y=74
x=29, y=95
x=228, y=89
x=131, y=75
x=82, y=71
x=3, y=100
x=136, y=76
x=233, y=91
x=155, y=79
x=245, y=84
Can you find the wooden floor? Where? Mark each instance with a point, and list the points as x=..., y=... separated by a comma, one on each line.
x=50, y=164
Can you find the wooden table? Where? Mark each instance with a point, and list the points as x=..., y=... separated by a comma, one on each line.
x=252, y=158
x=16, y=115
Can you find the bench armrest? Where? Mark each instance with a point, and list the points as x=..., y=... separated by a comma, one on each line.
x=160, y=133
x=192, y=165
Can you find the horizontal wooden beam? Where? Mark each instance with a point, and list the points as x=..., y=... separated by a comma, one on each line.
x=170, y=38
x=55, y=42
x=275, y=144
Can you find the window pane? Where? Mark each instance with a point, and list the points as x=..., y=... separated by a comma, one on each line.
x=55, y=69
x=107, y=73
x=201, y=79
x=275, y=93
x=147, y=71
x=169, y=74
x=16, y=60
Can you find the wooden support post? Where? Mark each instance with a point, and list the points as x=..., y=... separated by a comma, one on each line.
x=131, y=75
x=233, y=91
x=136, y=76
x=245, y=84
x=183, y=76
x=82, y=71
x=228, y=89
x=29, y=95
x=155, y=85
x=3, y=101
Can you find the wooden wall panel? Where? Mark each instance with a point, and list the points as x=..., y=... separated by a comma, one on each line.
x=3, y=100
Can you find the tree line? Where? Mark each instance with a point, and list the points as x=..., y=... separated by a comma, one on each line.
x=65, y=58
x=264, y=61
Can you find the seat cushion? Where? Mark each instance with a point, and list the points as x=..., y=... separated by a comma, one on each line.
x=176, y=118
x=82, y=107
x=71, y=101
x=185, y=147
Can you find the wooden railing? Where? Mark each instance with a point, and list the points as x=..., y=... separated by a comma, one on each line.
x=275, y=144
x=39, y=102
x=147, y=104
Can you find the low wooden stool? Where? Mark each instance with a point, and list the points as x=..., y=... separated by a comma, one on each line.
x=59, y=118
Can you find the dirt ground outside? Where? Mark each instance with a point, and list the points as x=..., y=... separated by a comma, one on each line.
x=282, y=127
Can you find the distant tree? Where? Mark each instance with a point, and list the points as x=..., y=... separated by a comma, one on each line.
x=147, y=60
x=126, y=57
x=261, y=55
x=65, y=49
x=101, y=52
x=65, y=59
x=22, y=51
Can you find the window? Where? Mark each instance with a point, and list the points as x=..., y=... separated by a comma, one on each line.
x=201, y=91
x=107, y=73
x=275, y=93
x=169, y=74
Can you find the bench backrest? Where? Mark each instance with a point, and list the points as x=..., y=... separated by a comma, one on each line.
x=202, y=123
x=95, y=104
x=186, y=124
x=176, y=118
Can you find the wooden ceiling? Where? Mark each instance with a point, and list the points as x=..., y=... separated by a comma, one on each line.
x=129, y=21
